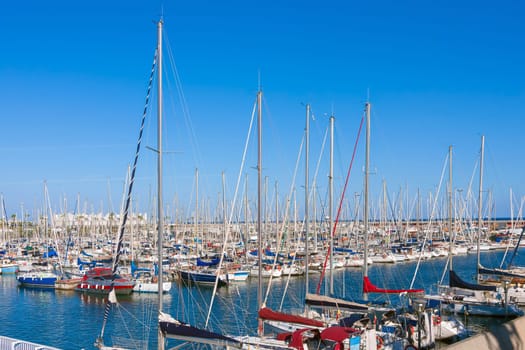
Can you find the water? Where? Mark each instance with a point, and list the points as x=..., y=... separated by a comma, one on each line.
x=70, y=320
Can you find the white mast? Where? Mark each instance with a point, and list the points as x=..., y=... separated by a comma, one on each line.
x=259, y=202
x=246, y=223
x=197, y=209
x=480, y=202
x=159, y=175
x=450, y=229
x=306, y=199
x=365, y=215
x=331, y=204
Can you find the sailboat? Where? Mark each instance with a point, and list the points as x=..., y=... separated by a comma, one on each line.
x=168, y=327
x=471, y=298
x=511, y=278
x=342, y=313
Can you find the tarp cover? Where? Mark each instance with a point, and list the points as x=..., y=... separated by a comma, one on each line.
x=268, y=314
x=329, y=302
x=176, y=329
x=337, y=333
x=456, y=281
x=298, y=337
x=499, y=272
x=211, y=262
x=368, y=287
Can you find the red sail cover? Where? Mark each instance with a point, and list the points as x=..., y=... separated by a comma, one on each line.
x=268, y=314
x=338, y=333
x=368, y=287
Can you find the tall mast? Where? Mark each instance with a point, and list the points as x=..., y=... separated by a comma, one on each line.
x=331, y=204
x=313, y=223
x=306, y=196
x=266, y=210
x=365, y=189
x=259, y=202
x=224, y=205
x=246, y=223
x=159, y=175
x=291, y=237
x=480, y=201
x=450, y=229
x=197, y=209
x=277, y=214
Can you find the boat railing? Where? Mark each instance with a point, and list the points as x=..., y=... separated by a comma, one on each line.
x=12, y=343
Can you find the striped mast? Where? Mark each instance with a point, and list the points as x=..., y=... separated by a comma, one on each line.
x=116, y=260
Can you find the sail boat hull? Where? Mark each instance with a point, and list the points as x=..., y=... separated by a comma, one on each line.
x=151, y=287
x=101, y=280
x=202, y=278
x=37, y=279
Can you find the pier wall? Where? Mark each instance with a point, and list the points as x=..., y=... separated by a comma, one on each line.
x=507, y=336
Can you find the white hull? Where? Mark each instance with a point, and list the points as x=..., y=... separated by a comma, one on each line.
x=151, y=287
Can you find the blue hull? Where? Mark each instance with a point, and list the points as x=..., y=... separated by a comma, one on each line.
x=200, y=278
x=37, y=282
x=8, y=270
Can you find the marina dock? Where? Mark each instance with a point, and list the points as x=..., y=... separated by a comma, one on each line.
x=506, y=336
x=7, y=343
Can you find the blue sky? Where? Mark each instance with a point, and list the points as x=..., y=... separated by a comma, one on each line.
x=74, y=75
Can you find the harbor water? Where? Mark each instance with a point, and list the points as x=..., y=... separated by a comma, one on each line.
x=71, y=320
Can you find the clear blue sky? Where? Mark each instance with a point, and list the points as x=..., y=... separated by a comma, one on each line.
x=438, y=73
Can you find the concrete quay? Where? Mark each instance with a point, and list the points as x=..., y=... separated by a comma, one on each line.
x=507, y=336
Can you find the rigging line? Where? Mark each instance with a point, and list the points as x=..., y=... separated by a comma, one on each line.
x=340, y=205
x=284, y=222
x=429, y=226
x=410, y=212
x=128, y=199
x=241, y=168
x=274, y=131
x=509, y=240
x=338, y=153
x=314, y=179
x=53, y=227
x=239, y=177
x=126, y=182
x=285, y=219
x=190, y=202
x=509, y=265
x=318, y=165
x=184, y=103
x=4, y=209
x=317, y=125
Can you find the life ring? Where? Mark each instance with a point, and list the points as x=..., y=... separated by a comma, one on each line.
x=436, y=320
x=379, y=342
